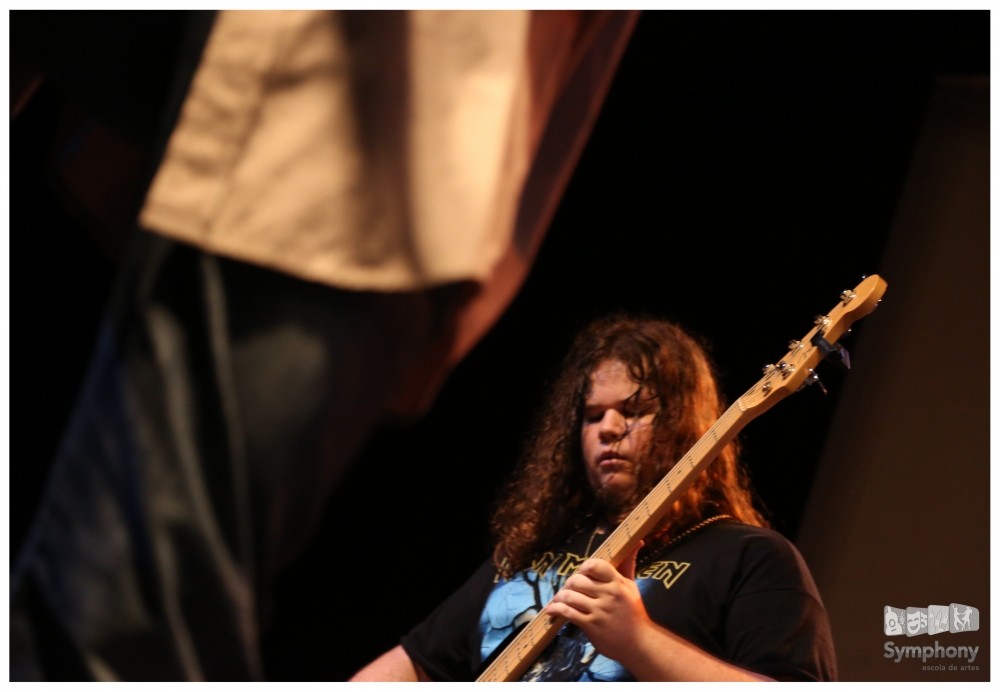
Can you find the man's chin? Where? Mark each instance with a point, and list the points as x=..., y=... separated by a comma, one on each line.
x=618, y=499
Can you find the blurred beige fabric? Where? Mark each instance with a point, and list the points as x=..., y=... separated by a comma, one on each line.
x=383, y=150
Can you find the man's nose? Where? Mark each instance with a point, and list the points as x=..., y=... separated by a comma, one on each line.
x=613, y=426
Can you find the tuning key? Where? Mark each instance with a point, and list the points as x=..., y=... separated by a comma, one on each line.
x=814, y=379
x=786, y=369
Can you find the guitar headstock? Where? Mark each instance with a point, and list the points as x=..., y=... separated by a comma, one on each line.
x=798, y=367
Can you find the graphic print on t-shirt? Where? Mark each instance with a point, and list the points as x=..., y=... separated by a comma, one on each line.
x=570, y=657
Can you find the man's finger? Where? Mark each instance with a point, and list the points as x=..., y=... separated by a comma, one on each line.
x=627, y=567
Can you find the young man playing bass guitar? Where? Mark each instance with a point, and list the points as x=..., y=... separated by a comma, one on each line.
x=710, y=593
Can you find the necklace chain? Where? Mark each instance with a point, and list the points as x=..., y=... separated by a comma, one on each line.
x=659, y=551
x=682, y=535
x=687, y=532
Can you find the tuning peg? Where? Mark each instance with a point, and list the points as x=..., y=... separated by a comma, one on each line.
x=814, y=379
x=786, y=369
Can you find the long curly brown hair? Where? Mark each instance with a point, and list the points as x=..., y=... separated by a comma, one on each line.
x=548, y=497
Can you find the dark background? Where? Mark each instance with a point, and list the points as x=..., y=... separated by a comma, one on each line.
x=745, y=169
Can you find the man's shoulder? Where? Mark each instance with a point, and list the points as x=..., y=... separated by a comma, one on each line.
x=753, y=532
x=747, y=540
x=762, y=548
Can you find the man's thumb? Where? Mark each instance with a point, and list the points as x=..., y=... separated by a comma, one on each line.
x=627, y=567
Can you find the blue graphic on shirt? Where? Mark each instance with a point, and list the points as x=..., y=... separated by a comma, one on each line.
x=515, y=601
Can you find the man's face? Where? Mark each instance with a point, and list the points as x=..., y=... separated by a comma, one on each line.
x=615, y=434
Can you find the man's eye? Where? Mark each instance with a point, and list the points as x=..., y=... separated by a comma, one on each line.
x=639, y=411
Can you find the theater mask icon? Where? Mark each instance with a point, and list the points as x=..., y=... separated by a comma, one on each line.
x=916, y=621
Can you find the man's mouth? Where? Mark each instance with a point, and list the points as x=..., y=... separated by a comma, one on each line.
x=611, y=460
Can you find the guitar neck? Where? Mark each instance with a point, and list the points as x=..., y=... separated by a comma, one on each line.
x=514, y=660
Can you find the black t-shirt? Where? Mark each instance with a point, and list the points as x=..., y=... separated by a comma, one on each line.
x=741, y=593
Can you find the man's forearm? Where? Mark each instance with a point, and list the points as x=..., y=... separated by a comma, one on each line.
x=663, y=656
x=392, y=666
